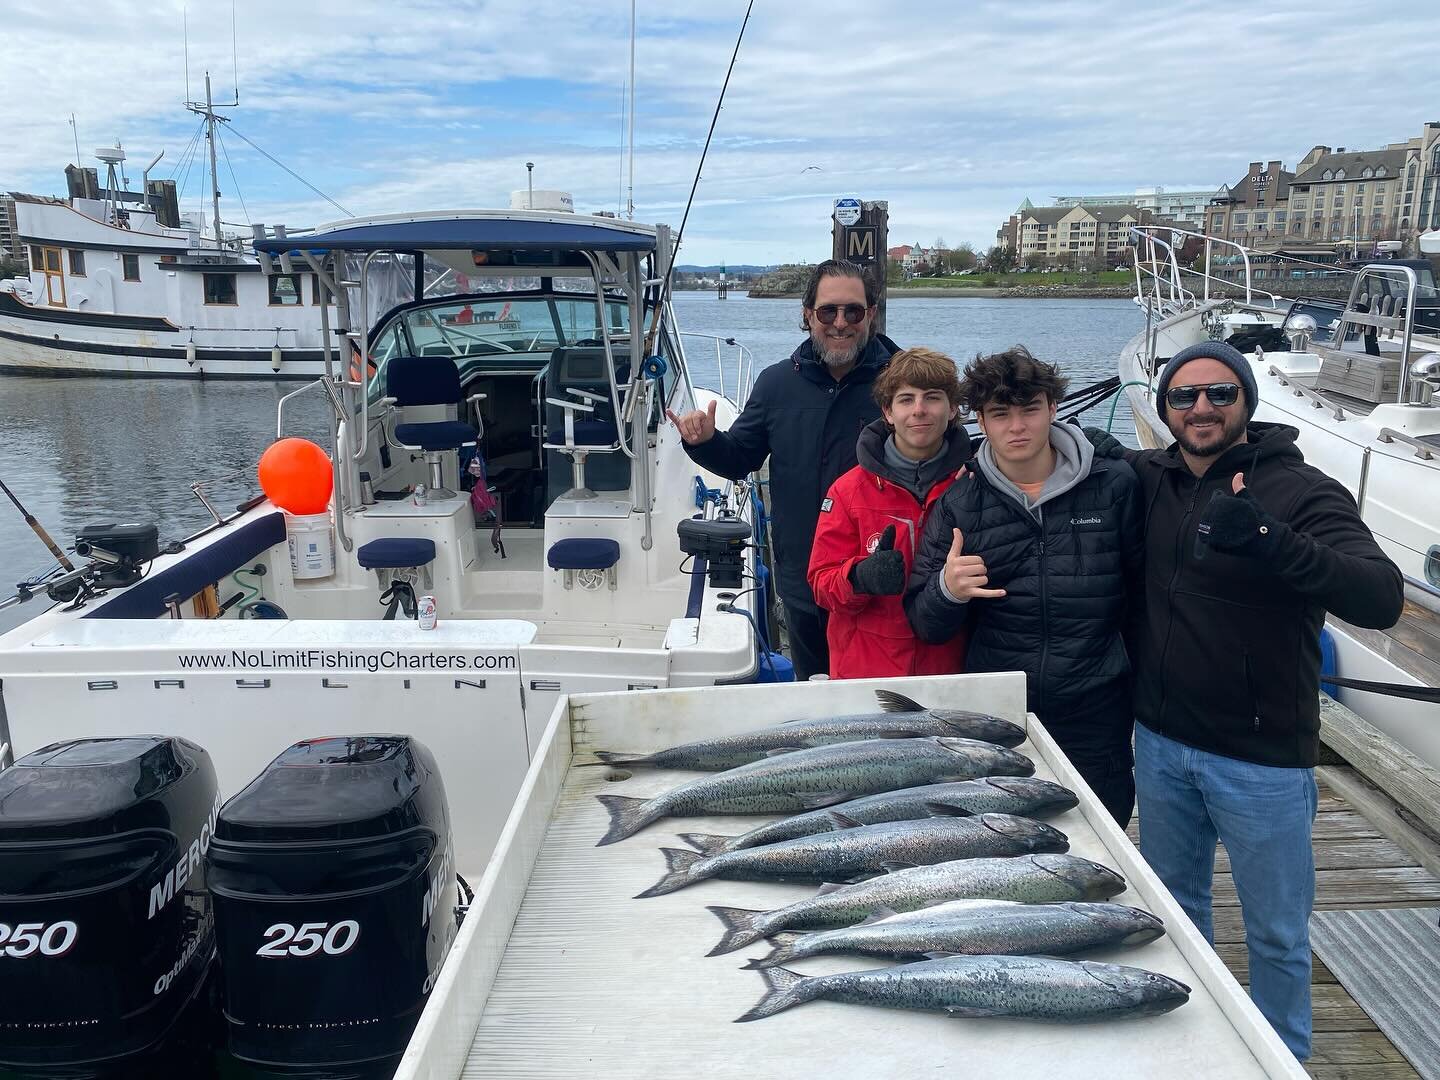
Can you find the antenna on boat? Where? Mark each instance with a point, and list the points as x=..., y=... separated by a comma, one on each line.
x=620, y=190
x=679, y=236
x=185, y=34
x=630, y=198
x=234, y=53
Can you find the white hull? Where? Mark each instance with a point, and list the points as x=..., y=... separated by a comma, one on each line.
x=143, y=355
x=146, y=300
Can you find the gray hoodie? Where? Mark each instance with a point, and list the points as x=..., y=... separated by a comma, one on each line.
x=1073, y=456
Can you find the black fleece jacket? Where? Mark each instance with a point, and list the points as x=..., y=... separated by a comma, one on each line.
x=806, y=422
x=1229, y=655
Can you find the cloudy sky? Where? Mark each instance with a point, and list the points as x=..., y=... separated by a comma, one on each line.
x=953, y=111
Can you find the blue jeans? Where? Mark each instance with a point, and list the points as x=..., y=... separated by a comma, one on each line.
x=1187, y=799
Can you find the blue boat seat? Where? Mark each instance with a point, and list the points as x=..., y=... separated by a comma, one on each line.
x=398, y=561
x=428, y=381
x=580, y=422
x=596, y=433
x=393, y=552
x=589, y=555
x=437, y=435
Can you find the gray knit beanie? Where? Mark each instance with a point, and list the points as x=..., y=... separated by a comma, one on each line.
x=1228, y=355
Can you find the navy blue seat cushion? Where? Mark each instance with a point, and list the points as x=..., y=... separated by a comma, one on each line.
x=422, y=380
x=436, y=435
x=146, y=598
x=583, y=553
x=596, y=433
x=392, y=552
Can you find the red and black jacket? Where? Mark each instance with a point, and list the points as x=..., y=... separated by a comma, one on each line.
x=870, y=636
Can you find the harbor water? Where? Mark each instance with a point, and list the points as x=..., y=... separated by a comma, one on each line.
x=81, y=451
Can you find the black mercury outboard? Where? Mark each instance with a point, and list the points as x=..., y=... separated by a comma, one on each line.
x=106, y=927
x=334, y=884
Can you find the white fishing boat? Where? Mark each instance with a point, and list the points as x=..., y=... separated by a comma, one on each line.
x=121, y=283
x=1358, y=382
x=609, y=561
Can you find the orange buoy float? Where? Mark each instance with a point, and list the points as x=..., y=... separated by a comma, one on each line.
x=296, y=475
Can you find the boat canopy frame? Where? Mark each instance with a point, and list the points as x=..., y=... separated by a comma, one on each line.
x=622, y=261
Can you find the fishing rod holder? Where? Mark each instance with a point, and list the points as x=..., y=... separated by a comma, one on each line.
x=118, y=556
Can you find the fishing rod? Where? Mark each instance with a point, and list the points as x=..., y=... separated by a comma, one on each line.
x=664, y=296
x=38, y=528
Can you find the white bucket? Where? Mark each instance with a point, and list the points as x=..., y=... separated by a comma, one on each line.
x=312, y=545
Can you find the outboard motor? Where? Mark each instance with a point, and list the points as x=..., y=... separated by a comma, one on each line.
x=335, y=891
x=106, y=927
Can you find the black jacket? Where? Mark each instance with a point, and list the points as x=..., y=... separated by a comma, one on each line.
x=1067, y=578
x=1229, y=659
x=807, y=424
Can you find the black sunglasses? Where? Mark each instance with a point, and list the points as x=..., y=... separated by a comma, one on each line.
x=853, y=313
x=1218, y=394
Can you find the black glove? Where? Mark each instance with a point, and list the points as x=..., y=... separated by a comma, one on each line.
x=882, y=573
x=1106, y=445
x=1239, y=525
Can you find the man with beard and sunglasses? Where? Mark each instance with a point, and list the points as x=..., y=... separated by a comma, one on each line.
x=805, y=416
x=1247, y=547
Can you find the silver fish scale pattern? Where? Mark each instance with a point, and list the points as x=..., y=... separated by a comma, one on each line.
x=1029, y=797
x=1031, y=879
x=1010, y=986
x=836, y=856
x=1020, y=930
x=855, y=768
x=730, y=751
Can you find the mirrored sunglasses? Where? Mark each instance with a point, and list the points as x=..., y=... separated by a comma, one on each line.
x=1218, y=394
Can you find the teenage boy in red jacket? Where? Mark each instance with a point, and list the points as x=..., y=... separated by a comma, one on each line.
x=872, y=517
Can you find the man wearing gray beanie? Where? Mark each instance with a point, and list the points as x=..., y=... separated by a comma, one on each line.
x=1247, y=547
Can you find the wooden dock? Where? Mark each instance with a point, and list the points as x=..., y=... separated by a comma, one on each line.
x=1363, y=859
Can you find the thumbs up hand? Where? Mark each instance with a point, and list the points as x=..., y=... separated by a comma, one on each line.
x=882, y=573
x=695, y=427
x=1238, y=524
x=966, y=575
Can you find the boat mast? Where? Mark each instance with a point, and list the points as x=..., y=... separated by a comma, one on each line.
x=206, y=109
x=214, y=173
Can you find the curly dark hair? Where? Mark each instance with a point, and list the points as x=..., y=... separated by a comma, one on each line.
x=1012, y=377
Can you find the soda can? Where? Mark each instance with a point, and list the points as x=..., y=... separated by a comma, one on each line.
x=426, y=612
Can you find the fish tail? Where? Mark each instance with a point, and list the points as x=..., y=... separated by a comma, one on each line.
x=677, y=876
x=782, y=952
x=741, y=928
x=608, y=758
x=706, y=843
x=783, y=990
x=627, y=816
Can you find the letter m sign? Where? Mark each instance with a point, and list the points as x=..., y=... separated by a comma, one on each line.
x=860, y=244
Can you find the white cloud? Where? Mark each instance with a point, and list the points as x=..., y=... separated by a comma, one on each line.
x=952, y=112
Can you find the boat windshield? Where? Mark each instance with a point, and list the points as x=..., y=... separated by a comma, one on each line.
x=488, y=330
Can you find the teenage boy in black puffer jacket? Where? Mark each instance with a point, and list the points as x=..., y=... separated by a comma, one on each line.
x=1039, y=549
